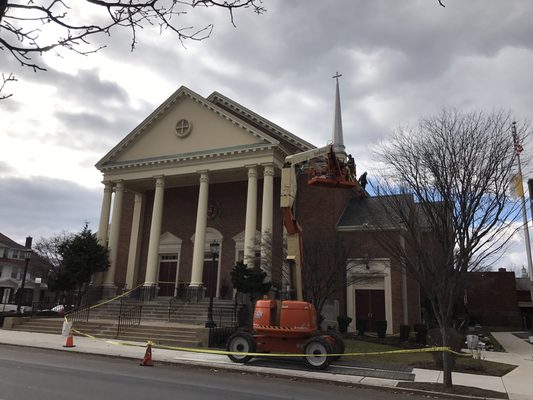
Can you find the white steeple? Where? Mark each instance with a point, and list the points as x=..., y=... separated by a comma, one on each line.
x=338, y=140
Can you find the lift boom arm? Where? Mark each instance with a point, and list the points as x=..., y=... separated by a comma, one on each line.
x=336, y=174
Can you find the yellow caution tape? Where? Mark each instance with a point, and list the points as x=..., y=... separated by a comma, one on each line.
x=225, y=353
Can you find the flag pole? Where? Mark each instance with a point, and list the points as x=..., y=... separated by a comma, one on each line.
x=520, y=190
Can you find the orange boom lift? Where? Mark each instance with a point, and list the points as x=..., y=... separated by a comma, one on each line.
x=290, y=326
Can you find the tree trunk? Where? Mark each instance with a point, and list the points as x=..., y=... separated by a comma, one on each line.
x=447, y=362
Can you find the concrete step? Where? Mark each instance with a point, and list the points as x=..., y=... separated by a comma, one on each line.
x=179, y=336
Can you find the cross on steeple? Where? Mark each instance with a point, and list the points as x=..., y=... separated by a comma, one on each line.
x=337, y=76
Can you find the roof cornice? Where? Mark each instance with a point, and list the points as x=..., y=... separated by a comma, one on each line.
x=192, y=156
x=290, y=137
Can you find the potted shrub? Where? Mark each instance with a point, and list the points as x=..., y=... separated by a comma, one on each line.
x=421, y=333
x=381, y=328
x=404, y=333
x=361, y=324
x=343, y=322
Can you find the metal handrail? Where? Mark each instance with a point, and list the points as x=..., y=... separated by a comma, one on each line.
x=130, y=315
x=143, y=293
x=78, y=314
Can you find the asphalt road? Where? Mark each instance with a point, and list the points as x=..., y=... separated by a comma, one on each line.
x=27, y=373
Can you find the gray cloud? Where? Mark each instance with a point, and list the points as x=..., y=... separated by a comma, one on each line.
x=42, y=206
x=5, y=168
x=400, y=61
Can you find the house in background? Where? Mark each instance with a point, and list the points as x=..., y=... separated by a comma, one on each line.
x=12, y=264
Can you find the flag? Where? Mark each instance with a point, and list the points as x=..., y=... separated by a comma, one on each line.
x=517, y=188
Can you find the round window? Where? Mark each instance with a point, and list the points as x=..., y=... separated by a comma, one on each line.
x=183, y=128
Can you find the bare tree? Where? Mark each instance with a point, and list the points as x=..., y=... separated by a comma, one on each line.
x=448, y=185
x=326, y=271
x=31, y=28
x=5, y=80
x=48, y=248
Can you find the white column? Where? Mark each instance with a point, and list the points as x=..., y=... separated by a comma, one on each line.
x=133, y=255
x=103, y=226
x=251, y=216
x=155, y=232
x=199, y=235
x=109, y=277
x=267, y=213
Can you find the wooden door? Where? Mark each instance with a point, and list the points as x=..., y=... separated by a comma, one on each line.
x=167, y=278
x=370, y=305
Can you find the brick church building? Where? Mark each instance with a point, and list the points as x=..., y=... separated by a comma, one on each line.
x=199, y=170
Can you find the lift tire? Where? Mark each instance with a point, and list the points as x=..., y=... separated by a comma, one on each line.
x=241, y=342
x=338, y=347
x=316, y=350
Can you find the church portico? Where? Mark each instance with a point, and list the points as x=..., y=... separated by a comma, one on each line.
x=205, y=172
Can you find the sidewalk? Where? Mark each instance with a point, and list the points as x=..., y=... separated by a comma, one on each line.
x=517, y=383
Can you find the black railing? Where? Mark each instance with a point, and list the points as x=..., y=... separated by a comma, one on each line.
x=227, y=321
x=143, y=293
x=174, y=305
x=181, y=291
x=78, y=314
x=130, y=314
x=218, y=337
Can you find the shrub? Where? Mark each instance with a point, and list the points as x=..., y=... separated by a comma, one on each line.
x=361, y=325
x=343, y=321
x=381, y=327
x=404, y=332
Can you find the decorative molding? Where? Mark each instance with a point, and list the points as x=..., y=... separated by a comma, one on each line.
x=119, y=186
x=204, y=177
x=268, y=170
x=159, y=181
x=252, y=171
x=108, y=186
x=192, y=156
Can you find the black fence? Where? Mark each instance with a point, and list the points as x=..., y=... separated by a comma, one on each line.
x=143, y=293
x=228, y=321
x=218, y=337
x=79, y=314
x=130, y=314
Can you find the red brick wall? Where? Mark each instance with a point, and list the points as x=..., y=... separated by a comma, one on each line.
x=492, y=298
x=179, y=218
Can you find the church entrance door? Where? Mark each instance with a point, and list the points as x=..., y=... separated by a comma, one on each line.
x=168, y=267
x=370, y=305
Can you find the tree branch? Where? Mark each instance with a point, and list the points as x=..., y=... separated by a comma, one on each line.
x=26, y=28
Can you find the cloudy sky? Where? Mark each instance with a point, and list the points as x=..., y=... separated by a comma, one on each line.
x=400, y=60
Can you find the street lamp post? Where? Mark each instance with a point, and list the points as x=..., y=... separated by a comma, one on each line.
x=27, y=257
x=214, y=245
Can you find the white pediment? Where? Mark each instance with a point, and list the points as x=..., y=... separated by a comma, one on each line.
x=169, y=243
x=211, y=130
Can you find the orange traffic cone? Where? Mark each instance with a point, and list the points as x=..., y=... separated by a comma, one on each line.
x=70, y=340
x=147, y=360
